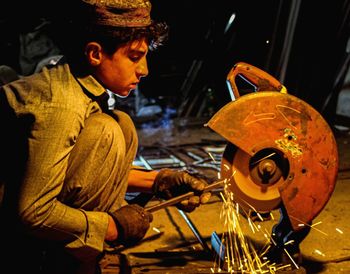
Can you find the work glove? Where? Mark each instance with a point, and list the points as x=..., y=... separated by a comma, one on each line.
x=132, y=222
x=171, y=183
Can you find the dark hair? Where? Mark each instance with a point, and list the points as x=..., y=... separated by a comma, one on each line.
x=112, y=38
x=81, y=30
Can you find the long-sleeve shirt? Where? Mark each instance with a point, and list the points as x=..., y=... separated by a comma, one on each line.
x=58, y=104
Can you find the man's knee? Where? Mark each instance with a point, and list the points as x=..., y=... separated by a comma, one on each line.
x=100, y=132
x=127, y=125
x=114, y=128
x=100, y=122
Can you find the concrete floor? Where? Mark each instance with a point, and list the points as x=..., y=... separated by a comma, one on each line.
x=171, y=246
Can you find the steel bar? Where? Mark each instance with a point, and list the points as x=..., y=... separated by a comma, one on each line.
x=194, y=230
x=180, y=198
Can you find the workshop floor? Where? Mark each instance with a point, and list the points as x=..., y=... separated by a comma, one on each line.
x=180, y=244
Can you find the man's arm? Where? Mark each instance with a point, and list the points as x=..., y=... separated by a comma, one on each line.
x=141, y=180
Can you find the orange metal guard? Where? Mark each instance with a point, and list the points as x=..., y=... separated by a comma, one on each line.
x=283, y=149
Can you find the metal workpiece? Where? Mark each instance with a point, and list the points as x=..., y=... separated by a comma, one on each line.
x=183, y=197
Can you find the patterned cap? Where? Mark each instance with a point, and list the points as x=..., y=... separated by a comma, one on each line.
x=121, y=13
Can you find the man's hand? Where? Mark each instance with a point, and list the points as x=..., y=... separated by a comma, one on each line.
x=132, y=222
x=171, y=183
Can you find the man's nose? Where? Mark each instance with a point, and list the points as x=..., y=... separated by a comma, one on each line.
x=142, y=68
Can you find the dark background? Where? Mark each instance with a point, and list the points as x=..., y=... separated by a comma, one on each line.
x=302, y=43
x=306, y=50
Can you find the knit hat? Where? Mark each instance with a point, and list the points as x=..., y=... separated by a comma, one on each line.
x=121, y=13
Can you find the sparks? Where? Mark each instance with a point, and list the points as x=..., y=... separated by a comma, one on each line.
x=226, y=167
x=238, y=250
x=219, y=175
x=319, y=252
x=156, y=229
x=340, y=231
x=311, y=226
x=211, y=156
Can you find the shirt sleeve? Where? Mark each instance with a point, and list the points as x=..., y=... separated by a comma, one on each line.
x=43, y=214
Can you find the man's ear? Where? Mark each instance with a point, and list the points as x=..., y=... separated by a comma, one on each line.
x=93, y=53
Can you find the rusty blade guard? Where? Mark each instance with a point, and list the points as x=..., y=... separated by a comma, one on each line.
x=280, y=150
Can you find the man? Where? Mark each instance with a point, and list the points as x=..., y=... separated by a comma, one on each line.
x=67, y=159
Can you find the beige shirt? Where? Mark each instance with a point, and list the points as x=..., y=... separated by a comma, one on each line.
x=60, y=107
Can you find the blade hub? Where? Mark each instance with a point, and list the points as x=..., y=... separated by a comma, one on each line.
x=267, y=167
x=266, y=170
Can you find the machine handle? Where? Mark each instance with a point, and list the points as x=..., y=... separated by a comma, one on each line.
x=257, y=77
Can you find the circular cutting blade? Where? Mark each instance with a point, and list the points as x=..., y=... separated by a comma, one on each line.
x=255, y=180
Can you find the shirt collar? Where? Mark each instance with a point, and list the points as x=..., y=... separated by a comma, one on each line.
x=91, y=85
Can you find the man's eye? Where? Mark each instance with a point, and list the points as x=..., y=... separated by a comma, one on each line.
x=135, y=58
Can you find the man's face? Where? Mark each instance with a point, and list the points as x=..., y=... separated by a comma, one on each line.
x=122, y=71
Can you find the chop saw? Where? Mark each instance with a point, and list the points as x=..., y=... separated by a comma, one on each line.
x=280, y=151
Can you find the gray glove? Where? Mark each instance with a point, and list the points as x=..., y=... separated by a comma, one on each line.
x=132, y=222
x=171, y=183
